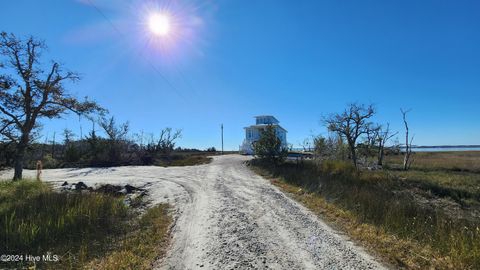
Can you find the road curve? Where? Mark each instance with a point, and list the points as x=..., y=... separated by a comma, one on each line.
x=227, y=217
x=235, y=219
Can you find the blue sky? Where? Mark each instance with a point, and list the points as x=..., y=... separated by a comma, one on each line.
x=227, y=61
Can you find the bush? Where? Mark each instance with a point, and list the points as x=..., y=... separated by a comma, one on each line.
x=49, y=162
x=269, y=147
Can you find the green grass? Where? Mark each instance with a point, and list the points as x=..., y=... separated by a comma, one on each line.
x=460, y=186
x=184, y=160
x=78, y=227
x=384, y=201
x=453, y=174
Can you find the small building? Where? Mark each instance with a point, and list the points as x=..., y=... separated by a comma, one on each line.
x=252, y=133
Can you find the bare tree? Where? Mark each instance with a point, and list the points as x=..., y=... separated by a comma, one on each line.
x=351, y=124
x=28, y=92
x=116, y=137
x=68, y=136
x=166, y=141
x=114, y=131
x=384, y=135
x=407, y=160
x=370, y=143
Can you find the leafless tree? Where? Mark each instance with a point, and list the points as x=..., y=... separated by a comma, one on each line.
x=114, y=131
x=407, y=160
x=306, y=145
x=384, y=135
x=166, y=141
x=68, y=136
x=372, y=134
x=370, y=141
x=351, y=124
x=30, y=91
x=116, y=137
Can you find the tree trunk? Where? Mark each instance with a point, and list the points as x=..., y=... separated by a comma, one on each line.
x=354, y=155
x=406, y=158
x=19, y=157
x=380, y=157
x=21, y=147
x=381, y=147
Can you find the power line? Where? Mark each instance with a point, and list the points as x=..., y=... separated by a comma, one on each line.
x=143, y=56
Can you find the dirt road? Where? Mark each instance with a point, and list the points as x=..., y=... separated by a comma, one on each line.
x=227, y=217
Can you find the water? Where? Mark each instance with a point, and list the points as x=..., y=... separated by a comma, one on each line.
x=445, y=149
x=431, y=149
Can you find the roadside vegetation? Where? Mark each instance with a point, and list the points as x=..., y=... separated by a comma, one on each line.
x=110, y=145
x=33, y=91
x=92, y=230
x=422, y=215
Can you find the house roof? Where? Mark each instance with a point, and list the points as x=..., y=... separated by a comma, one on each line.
x=264, y=125
x=259, y=116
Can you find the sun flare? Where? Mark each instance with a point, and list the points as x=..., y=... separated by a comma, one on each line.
x=159, y=24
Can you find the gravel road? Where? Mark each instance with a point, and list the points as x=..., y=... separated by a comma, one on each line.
x=227, y=217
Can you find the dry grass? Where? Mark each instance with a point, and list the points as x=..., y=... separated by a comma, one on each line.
x=456, y=174
x=379, y=209
x=392, y=249
x=468, y=161
x=78, y=227
x=143, y=246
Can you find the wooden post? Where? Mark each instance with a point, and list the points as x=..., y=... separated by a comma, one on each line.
x=39, y=169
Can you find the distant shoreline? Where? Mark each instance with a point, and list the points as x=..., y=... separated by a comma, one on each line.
x=444, y=146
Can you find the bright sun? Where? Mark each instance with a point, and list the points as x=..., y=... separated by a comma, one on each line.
x=159, y=24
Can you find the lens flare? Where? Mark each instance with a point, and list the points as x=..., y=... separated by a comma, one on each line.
x=159, y=24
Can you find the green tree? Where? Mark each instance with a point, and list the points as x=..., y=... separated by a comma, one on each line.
x=269, y=147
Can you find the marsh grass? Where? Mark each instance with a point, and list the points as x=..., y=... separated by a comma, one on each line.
x=35, y=220
x=79, y=227
x=466, y=161
x=376, y=199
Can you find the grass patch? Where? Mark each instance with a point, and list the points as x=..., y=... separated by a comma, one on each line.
x=78, y=227
x=394, y=250
x=142, y=246
x=184, y=160
x=452, y=174
x=378, y=210
x=468, y=161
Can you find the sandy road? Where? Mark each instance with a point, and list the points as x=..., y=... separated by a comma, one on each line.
x=227, y=217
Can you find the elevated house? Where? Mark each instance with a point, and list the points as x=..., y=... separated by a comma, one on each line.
x=252, y=133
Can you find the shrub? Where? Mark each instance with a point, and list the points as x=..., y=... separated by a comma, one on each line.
x=269, y=147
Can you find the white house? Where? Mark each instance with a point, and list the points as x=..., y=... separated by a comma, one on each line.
x=252, y=133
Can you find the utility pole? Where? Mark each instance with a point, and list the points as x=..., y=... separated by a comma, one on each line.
x=222, y=137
